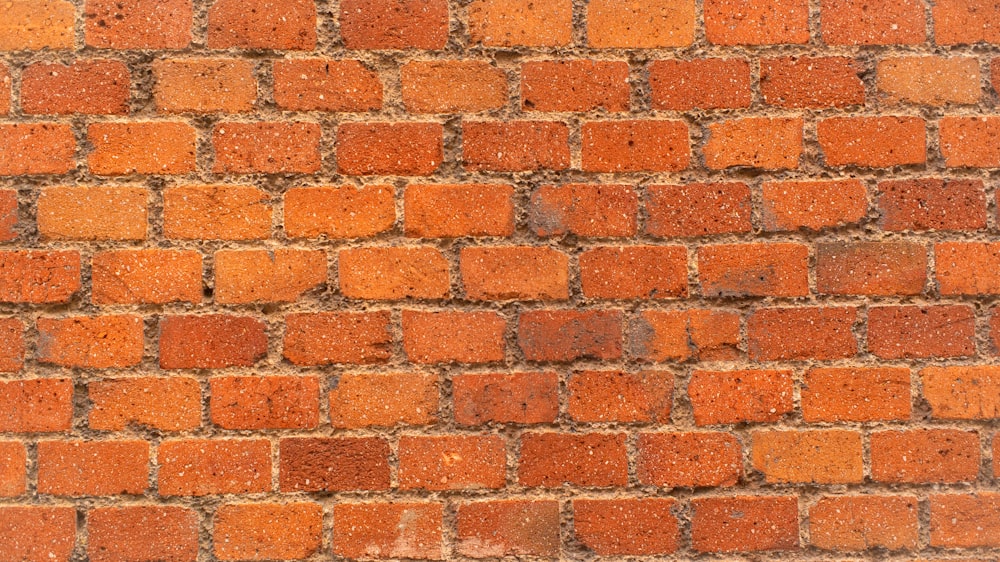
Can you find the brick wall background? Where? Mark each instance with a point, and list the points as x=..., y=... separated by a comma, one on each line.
x=447, y=279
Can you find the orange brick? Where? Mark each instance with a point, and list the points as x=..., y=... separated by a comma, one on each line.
x=574, y=85
x=816, y=457
x=453, y=462
x=874, y=142
x=93, y=213
x=634, y=272
x=91, y=86
x=740, y=270
x=95, y=342
x=730, y=397
x=337, y=337
x=680, y=335
x=755, y=22
x=812, y=82
x=246, y=276
x=871, y=268
x=403, y=149
x=967, y=268
x=383, y=400
x=452, y=86
x=898, y=332
x=36, y=405
x=5, y=88
x=314, y=464
x=36, y=25
x=37, y=534
x=643, y=25
x=524, y=398
x=269, y=148
x=272, y=402
x=868, y=22
x=497, y=528
x=394, y=24
x=587, y=210
x=515, y=146
x=262, y=24
x=11, y=345
x=339, y=212
x=929, y=80
x=698, y=209
x=143, y=147
x=757, y=142
x=393, y=273
x=819, y=332
x=8, y=215
x=855, y=523
x=814, y=205
x=615, y=396
x=683, y=85
x=857, y=394
x=570, y=335
x=965, y=520
x=514, y=272
x=970, y=141
x=962, y=392
x=453, y=336
x=635, y=146
x=326, y=85
x=36, y=148
x=216, y=212
x=204, y=85
x=456, y=210
x=688, y=460
x=627, y=526
x=13, y=471
x=932, y=204
x=965, y=21
x=388, y=530
x=745, y=523
x=201, y=467
x=93, y=468
x=521, y=23
x=924, y=455
x=267, y=531
x=590, y=460
x=166, y=404
x=211, y=342
x=142, y=532
x=146, y=276
x=138, y=24
x=39, y=276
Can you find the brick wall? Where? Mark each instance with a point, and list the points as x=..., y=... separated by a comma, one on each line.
x=446, y=279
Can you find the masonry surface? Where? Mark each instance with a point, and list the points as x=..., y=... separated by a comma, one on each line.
x=465, y=279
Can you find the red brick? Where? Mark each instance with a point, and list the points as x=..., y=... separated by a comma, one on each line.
x=13, y=471
x=966, y=520
x=762, y=269
x=873, y=142
x=138, y=24
x=36, y=25
x=493, y=529
x=635, y=146
x=452, y=462
x=273, y=402
x=749, y=22
x=856, y=394
x=698, y=209
x=757, y=142
x=813, y=205
x=8, y=215
x=615, y=396
x=36, y=405
x=855, y=523
x=142, y=532
x=146, y=277
x=628, y=526
x=929, y=80
x=898, y=332
x=873, y=22
x=641, y=25
x=339, y=212
x=394, y=24
x=281, y=275
x=95, y=342
x=515, y=146
x=326, y=85
x=962, y=392
x=970, y=141
x=216, y=212
x=688, y=460
x=262, y=24
x=745, y=523
x=680, y=335
x=514, y=272
x=452, y=86
x=871, y=268
x=457, y=210
x=337, y=337
x=93, y=468
x=575, y=85
x=166, y=404
x=11, y=345
x=201, y=467
x=932, y=204
x=730, y=397
x=90, y=86
x=526, y=398
x=204, y=85
x=143, y=147
x=810, y=457
x=812, y=82
x=819, y=333
x=684, y=85
x=37, y=534
x=586, y=210
x=403, y=149
x=211, y=342
x=967, y=268
x=924, y=455
x=393, y=273
x=966, y=21
x=383, y=400
x=569, y=335
x=388, y=530
x=634, y=272
x=267, y=148
x=552, y=460
x=453, y=336
x=36, y=148
x=92, y=213
x=313, y=464
x=521, y=23
x=267, y=531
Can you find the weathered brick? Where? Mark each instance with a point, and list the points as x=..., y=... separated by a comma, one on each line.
x=11, y=345
x=313, y=464
x=453, y=336
x=216, y=212
x=498, y=528
x=965, y=520
x=146, y=277
x=267, y=148
x=8, y=215
x=524, y=398
x=680, y=335
x=273, y=402
x=39, y=276
x=36, y=405
x=403, y=149
x=635, y=146
x=267, y=531
x=37, y=534
x=634, y=272
x=514, y=272
x=95, y=342
x=856, y=394
x=871, y=268
x=762, y=269
x=698, y=209
x=452, y=462
x=758, y=142
x=856, y=523
x=204, y=85
x=730, y=397
x=5, y=88
x=93, y=213
x=324, y=338
x=138, y=24
x=745, y=523
x=526, y=23
x=383, y=400
x=393, y=273
x=965, y=21
x=587, y=210
x=339, y=212
x=142, y=147
x=924, y=455
x=970, y=141
x=574, y=85
x=326, y=85
x=814, y=205
x=967, y=268
x=93, y=468
x=716, y=83
x=626, y=526
x=142, y=532
x=246, y=276
x=200, y=467
x=36, y=148
x=643, y=25
x=818, y=457
x=36, y=25
x=211, y=342
x=819, y=333
x=812, y=82
x=262, y=24
x=873, y=142
x=163, y=403
x=388, y=530
x=755, y=22
x=13, y=472
x=929, y=80
x=452, y=86
x=457, y=210
x=394, y=24
x=568, y=335
x=688, y=460
x=515, y=146
x=962, y=392
x=589, y=460
x=616, y=396
x=932, y=204
x=873, y=22
x=92, y=86
x=902, y=332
